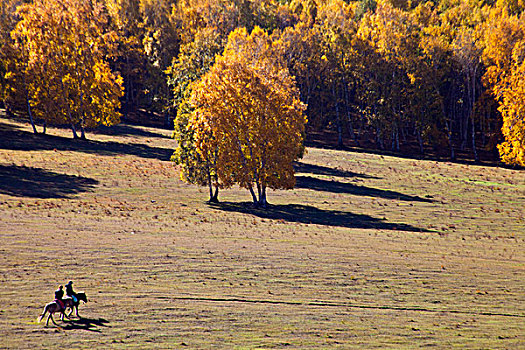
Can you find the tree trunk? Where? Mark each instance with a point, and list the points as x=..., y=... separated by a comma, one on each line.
x=82, y=132
x=379, y=138
x=361, y=126
x=262, y=197
x=254, y=197
x=483, y=131
x=210, y=188
x=476, y=157
x=215, y=198
x=464, y=131
x=395, y=137
x=339, y=121
x=75, y=136
x=31, y=115
x=74, y=131
x=8, y=110
x=450, y=141
x=420, y=141
x=472, y=111
x=404, y=134
x=348, y=114
x=82, y=118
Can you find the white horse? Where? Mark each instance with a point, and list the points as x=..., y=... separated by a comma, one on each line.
x=53, y=307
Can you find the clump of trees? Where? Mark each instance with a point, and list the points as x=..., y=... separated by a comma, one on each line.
x=446, y=75
x=59, y=67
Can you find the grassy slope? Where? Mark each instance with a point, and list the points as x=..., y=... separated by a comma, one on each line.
x=368, y=251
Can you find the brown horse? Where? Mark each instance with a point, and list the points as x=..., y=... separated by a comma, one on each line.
x=53, y=307
x=81, y=296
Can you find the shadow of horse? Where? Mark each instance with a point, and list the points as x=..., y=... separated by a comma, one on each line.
x=87, y=324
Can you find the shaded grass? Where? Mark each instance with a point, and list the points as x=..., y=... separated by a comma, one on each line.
x=88, y=324
x=301, y=167
x=21, y=181
x=15, y=139
x=315, y=184
x=297, y=213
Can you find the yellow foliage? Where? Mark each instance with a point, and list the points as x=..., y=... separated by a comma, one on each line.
x=248, y=111
x=68, y=78
x=504, y=55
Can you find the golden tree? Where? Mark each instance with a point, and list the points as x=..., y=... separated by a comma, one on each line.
x=504, y=55
x=512, y=108
x=68, y=50
x=195, y=60
x=249, y=114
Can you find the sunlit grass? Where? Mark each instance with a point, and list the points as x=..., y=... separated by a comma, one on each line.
x=368, y=251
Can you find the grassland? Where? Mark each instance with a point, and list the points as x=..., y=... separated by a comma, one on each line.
x=369, y=251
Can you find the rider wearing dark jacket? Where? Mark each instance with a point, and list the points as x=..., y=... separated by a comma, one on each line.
x=59, y=294
x=70, y=292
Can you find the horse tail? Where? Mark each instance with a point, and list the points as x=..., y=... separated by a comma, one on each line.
x=44, y=313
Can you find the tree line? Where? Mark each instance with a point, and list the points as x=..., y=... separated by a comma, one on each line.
x=447, y=75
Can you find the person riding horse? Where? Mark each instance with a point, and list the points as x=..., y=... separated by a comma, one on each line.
x=60, y=304
x=70, y=292
x=59, y=294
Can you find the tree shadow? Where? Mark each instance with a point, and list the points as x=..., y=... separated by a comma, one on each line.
x=14, y=138
x=323, y=170
x=127, y=130
x=87, y=324
x=315, y=184
x=305, y=214
x=21, y=181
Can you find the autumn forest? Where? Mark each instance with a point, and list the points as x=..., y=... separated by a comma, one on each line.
x=262, y=174
x=444, y=77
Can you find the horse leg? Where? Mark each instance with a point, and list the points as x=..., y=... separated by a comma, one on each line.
x=62, y=314
x=42, y=316
x=52, y=319
x=76, y=309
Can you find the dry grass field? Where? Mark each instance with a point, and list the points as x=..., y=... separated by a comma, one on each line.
x=368, y=251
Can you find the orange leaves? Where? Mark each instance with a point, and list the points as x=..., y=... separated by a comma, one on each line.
x=504, y=54
x=512, y=109
x=248, y=109
x=68, y=77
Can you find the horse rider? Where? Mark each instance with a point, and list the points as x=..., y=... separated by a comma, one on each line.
x=70, y=292
x=59, y=294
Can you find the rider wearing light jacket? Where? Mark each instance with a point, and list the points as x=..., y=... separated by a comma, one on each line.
x=70, y=292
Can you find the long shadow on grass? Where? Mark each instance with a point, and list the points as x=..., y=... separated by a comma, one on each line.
x=305, y=214
x=87, y=324
x=12, y=138
x=21, y=181
x=315, y=184
x=127, y=130
x=323, y=170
